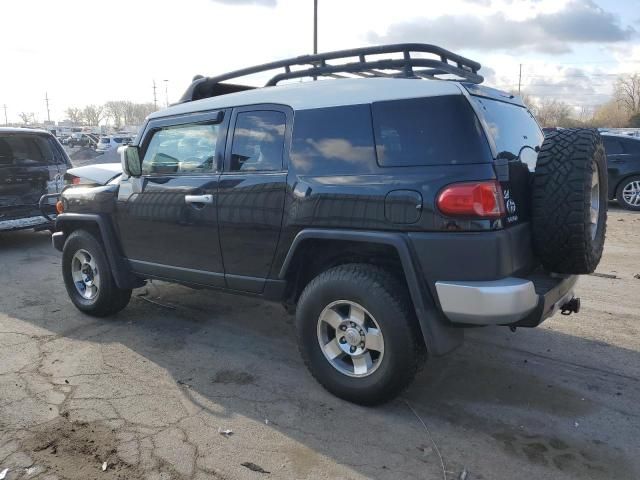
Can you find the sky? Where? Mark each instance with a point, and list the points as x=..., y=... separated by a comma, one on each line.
x=80, y=52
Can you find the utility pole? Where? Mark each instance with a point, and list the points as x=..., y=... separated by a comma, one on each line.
x=6, y=122
x=155, y=97
x=315, y=26
x=46, y=99
x=520, y=79
x=166, y=92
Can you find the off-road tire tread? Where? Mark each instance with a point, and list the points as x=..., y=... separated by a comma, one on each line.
x=561, y=201
x=111, y=299
x=383, y=285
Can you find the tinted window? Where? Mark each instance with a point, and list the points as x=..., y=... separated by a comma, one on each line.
x=181, y=149
x=24, y=150
x=612, y=146
x=258, y=141
x=335, y=141
x=631, y=146
x=511, y=127
x=428, y=131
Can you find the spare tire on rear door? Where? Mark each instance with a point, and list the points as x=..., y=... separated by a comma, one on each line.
x=569, y=208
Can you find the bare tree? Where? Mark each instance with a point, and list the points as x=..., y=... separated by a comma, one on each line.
x=74, y=114
x=553, y=113
x=27, y=118
x=611, y=115
x=123, y=112
x=627, y=93
x=93, y=114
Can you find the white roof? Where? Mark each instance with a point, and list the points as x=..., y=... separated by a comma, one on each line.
x=323, y=93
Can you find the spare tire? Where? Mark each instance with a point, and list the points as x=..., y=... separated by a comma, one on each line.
x=569, y=207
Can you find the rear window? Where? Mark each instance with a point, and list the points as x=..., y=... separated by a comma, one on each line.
x=24, y=150
x=333, y=141
x=104, y=140
x=440, y=130
x=510, y=126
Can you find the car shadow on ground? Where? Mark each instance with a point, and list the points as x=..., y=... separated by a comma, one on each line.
x=541, y=400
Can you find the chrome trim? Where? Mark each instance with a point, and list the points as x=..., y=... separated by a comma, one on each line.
x=489, y=302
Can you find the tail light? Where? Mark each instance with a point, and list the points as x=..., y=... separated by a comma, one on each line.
x=472, y=199
x=59, y=207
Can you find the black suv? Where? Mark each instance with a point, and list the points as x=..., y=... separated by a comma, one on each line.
x=32, y=163
x=623, y=157
x=389, y=213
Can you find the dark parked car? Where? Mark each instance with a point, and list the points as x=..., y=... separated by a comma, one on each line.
x=389, y=213
x=623, y=158
x=32, y=163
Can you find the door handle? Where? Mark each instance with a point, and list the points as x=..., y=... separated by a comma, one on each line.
x=204, y=199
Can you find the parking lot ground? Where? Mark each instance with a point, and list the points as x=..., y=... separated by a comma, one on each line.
x=152, y=390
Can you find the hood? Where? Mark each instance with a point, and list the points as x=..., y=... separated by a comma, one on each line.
x=101, y=173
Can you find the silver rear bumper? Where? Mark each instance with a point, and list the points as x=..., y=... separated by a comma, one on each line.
x=500, y=302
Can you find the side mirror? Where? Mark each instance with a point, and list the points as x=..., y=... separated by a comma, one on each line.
x=130, y=161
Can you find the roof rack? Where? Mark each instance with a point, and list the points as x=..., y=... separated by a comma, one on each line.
x=445, y=63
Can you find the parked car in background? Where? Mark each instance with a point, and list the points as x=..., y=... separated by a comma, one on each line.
x=112, y=141
x=82, y=139
x=95, y=174
x=32, y=163
x=623, y=157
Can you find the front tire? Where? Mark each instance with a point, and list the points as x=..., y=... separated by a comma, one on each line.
x=88, y=279
x=628, y=194
x=358, y=334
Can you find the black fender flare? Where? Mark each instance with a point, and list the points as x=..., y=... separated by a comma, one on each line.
x=439, y=336
x=120, y=269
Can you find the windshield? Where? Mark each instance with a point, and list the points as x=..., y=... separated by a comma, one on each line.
x=104, y=140
x=510, y=126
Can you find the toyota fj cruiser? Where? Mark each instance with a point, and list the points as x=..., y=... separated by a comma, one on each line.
x=391, y=209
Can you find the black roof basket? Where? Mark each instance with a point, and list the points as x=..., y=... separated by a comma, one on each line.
x=445, y=63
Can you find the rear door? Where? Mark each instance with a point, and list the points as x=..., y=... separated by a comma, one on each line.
x=514, y=136
x=251, y=194
x=167, y=218
x=24, y=173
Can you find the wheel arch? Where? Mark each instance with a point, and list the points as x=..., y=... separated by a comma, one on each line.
x=315, y=250
x=100, y=226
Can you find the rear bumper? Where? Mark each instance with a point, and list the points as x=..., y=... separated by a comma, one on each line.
x=509, y=301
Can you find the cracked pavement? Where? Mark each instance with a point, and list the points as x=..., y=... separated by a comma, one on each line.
x=150, y=390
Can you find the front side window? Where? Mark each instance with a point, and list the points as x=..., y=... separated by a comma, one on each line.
x=182, y=149
x=258, y=141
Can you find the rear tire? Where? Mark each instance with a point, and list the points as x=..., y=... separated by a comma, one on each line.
x=375, y=366
x=628, y=194
x=87, y=276
x=570, y=201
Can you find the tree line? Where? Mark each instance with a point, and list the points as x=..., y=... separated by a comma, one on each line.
x=623, y=110
x=119, y=113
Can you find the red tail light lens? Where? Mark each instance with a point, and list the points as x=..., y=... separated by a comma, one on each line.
x=473, y=199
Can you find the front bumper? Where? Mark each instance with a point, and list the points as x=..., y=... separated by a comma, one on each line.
x=509, y=301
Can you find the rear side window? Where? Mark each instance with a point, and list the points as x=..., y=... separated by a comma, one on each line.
x=441, y=130
x=612, y=146
x=258, y=141
x=632, y=146
x=333, y=141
